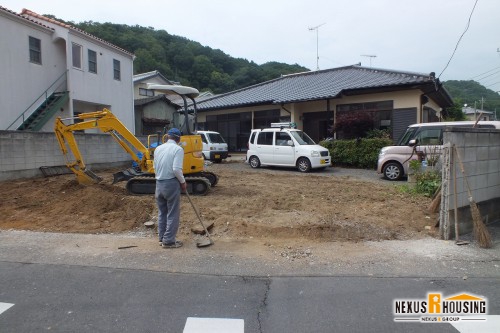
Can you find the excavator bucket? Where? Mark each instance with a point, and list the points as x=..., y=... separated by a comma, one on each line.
x=119, y=177
x=87, y=177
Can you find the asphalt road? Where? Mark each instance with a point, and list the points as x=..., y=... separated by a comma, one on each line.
x=64, y=298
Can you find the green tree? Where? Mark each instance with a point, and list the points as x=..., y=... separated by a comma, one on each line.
x=202, y=71
x=184, y=60
x=455, y=112
x=220, y=82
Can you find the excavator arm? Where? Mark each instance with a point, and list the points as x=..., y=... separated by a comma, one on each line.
x=106, y=122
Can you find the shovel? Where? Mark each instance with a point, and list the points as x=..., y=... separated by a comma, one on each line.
x=206, y=242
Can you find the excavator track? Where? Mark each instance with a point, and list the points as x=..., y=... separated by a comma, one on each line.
x=147, y=185
x=212, y=177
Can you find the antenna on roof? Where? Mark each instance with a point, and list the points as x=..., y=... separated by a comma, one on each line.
x=370, y=56
x=317, y=43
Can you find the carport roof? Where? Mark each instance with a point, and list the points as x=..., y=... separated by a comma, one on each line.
x=325, y=84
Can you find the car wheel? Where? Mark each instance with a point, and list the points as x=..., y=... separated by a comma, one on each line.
x=254, y=162
x=393, y=171
x=303, y=164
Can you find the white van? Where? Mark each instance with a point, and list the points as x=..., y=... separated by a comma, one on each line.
x=426, y=138
x=282, y=145
x=214, y=146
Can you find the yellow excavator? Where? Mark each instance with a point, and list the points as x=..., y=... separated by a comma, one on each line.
x=140, y=179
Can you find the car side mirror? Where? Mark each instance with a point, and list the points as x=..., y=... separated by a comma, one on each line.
x=290, y=143
x=413, y=143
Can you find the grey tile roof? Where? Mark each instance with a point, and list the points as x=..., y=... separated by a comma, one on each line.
x=144, y=76
x=318, y=85
x=168, y=99
x=147, y=100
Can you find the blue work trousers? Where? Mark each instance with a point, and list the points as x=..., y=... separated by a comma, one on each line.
x=167, y=195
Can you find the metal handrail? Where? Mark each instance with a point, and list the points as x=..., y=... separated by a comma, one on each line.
x=45, y=93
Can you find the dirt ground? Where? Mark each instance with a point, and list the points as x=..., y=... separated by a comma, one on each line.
x=273, y=205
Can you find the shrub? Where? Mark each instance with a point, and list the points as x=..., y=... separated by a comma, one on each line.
x=428, y=182
x=379, y=133
x=353, y=125
x=360, y=153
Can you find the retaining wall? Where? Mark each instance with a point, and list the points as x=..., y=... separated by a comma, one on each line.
x=479, y=150
x=22, y=153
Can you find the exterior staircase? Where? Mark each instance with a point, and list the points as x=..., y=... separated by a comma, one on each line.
x=44, y=112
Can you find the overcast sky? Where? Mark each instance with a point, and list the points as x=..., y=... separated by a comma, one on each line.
x=417, y=36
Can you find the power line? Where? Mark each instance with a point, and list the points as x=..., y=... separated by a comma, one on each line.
x=484, y=73
x=456, y=46
x=486, y=81
x=493, y=84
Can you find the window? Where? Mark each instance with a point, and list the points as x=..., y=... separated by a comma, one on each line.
x=265, y=138
x=282, y=139
x=116, y=70
x=35, y=46
x=92, y=61
x=215, y=138
x=146, y=92
x=430, y=136
x=302, y=138
x=252, y=138
x=265, y=118
x=76, y=50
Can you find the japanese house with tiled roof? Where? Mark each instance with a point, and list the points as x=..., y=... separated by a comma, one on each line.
x=51, y=69
x=313, y=100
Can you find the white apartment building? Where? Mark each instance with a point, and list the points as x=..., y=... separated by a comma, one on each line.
x=50, y=69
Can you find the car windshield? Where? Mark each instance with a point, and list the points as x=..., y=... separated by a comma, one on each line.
x=302, y=138
x=215, y=138
x=407, y=136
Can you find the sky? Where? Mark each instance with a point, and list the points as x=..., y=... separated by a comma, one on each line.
x=415, y=36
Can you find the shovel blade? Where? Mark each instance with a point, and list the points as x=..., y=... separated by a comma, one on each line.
x=204, y=243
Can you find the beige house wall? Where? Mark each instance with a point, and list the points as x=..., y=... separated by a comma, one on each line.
x=144, y=85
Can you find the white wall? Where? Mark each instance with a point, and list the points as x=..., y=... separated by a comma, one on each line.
x=22, y=81
x=101, y=89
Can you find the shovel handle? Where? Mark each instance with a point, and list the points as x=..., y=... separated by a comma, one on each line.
x=198, y=215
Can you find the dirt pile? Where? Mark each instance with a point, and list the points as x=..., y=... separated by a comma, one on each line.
x=266, y=204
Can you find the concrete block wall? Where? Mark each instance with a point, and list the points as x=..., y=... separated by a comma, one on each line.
x=479, y=150
x=22, y=153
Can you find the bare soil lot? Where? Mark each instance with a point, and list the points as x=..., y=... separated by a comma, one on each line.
x=273, y=205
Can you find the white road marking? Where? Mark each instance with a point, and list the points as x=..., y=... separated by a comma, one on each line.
x=491, y=325
x=214, y=325
x=4, y=307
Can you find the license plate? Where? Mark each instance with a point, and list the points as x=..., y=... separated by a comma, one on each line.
x=217, y=156
x=322, y=162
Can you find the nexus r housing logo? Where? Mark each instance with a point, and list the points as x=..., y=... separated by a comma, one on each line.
x=436, y=308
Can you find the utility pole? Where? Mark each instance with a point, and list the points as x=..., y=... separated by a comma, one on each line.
x=370, y=56
x=317, y=43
